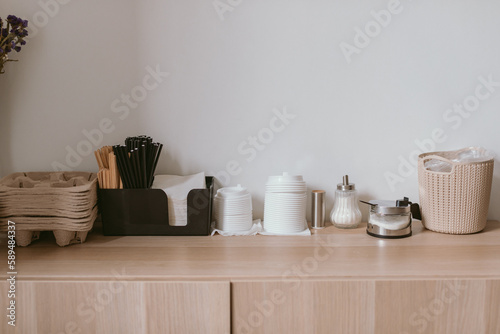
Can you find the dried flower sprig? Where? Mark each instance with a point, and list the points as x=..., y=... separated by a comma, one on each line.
x=12, y=34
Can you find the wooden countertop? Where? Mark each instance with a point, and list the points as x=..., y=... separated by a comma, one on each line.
x=330, y=253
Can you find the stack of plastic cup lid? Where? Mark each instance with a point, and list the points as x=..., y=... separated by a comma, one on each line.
x=233, y=209
x=285, y=204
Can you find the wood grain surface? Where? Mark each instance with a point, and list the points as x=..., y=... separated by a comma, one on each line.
x=366, y=307
x=119, y=307
x=335, y=281
x=333, y=254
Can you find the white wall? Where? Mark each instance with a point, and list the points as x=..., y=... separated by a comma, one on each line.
x=227, y=76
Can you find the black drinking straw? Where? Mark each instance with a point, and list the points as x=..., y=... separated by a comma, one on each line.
x=137, y=157
x=137, y=161
x=135, y=167
x=142, y=151
x=122, y=166
x=157, y=157
x=130, y=167
x=121, y=169
x=149, y=163
x=154, y=150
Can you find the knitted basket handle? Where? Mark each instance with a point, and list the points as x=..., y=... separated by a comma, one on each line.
x=438, y=157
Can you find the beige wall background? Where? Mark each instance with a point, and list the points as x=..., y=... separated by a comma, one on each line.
x=233, y=65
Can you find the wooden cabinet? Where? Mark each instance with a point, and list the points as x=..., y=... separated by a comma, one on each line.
x=437, y=306
x=124, y=307
x=302, y=307
x=334, y=281
x=402, y=307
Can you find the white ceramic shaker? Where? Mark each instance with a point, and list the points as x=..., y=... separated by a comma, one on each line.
x=346, y=213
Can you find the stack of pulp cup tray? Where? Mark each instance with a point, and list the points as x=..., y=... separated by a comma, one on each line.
x=285, y=204
x=233, y=209
x=62, y=202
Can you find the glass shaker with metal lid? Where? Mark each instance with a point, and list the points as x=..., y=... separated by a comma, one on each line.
x=346, y=213
x=391, y=219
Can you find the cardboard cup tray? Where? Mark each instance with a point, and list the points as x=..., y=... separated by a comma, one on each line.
x=62, y=202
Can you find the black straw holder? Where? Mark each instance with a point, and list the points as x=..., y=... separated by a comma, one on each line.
x=145, y=211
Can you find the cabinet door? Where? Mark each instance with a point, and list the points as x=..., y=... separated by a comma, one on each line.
x=302, y=306
x=383, y=306
x=438, y=306
x=123, y=307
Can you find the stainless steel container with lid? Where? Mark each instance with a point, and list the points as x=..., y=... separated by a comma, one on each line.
x=318, y=209
x=391, y=219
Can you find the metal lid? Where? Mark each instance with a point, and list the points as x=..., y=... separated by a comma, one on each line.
x=389, y=207
x=346, y=185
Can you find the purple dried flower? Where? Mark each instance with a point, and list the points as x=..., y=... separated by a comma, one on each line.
x=12, y=34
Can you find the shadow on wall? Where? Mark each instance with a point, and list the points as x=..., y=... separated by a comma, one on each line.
x=6, y=80
x=494, y=210
x=168, y=164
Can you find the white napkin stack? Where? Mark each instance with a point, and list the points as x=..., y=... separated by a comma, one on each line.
x=177, y=189
x=256, y=229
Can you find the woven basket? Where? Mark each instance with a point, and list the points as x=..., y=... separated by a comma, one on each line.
x=455, y=202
